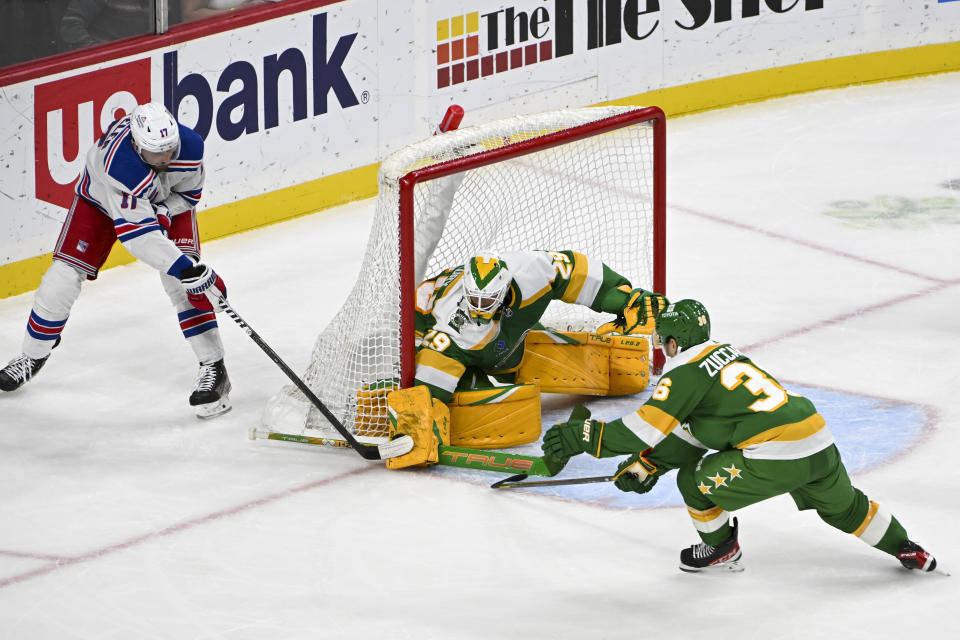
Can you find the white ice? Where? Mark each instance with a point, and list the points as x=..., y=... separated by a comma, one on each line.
x=122, y=516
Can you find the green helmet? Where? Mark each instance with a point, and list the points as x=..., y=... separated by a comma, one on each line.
x=686, y=321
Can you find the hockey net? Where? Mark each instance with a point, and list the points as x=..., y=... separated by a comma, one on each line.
x=591, y=180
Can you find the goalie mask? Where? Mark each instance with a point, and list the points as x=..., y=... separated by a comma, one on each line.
x=486, y=280
x=156, y=135
x=686, y=321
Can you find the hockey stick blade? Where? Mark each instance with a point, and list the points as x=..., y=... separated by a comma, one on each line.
x=391, y=449
x=514, y=482
x=396, y=447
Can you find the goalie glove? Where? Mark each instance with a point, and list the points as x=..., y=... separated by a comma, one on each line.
x=204, y=287
x=642, y=307
x=636, y=474
x=579, y=434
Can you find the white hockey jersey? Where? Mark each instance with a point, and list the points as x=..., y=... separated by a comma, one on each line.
x=125, y=188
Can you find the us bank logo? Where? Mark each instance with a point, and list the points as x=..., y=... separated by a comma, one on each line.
x=239, y=99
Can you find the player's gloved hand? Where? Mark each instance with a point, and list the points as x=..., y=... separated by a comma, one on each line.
x=642, y=307
x=577, y=435
x=163, y=217
x=204, y=287
x=636, y=474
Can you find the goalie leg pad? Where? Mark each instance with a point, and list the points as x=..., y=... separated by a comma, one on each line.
x=587, y=363
x=495, y=418
x=414, y=413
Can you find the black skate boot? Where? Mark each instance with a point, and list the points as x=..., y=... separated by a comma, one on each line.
x=702, y=556
x=18, y=371
x=211, y=391
x=912, y=556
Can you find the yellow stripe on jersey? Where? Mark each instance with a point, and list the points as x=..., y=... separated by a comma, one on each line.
x=658, y=418
x=539, y=294
x=710, y=520
x=790, y=441
x=871, y=512
x=706, y=351
x=792, y=432
x=439, y=370
x=578, y=278
x=650, y=424
x=706, y=515
x=875, y=526
x=492, y=332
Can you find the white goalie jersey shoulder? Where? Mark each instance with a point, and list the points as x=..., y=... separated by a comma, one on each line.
x=532, y=271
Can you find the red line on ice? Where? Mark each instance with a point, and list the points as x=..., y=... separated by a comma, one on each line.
x=67, y=561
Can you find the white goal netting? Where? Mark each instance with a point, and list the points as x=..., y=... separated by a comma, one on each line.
x=553, y=181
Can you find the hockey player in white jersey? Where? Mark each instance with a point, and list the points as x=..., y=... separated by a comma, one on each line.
x=141, y=184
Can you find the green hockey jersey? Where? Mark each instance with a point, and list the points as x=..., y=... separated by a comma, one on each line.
x=448, y=342
x=724, y=401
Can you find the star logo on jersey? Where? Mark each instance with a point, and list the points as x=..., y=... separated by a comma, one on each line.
x=704, y=489
x=733, y=471
x=718, y=481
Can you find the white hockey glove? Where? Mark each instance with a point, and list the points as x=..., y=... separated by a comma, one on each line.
x=204, y=287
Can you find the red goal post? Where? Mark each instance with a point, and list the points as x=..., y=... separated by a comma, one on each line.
x=408, y=182
x=592, y=180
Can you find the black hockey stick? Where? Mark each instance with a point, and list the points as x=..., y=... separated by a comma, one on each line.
x=521, y=481
x=393, y=448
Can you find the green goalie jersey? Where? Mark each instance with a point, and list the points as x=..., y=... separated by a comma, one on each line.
x=724, y=401
x=448, y=342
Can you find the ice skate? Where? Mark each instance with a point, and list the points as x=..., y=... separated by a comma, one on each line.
x=913, y=556
x=19, y=370
x=211, y=391
x=725, y=556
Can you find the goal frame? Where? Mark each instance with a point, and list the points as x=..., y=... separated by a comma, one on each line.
x=410, y=180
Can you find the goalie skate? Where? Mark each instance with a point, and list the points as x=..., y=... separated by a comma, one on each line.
x=211, y=392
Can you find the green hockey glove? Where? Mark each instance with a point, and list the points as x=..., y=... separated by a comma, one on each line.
x=636, y=474
x=577, y=435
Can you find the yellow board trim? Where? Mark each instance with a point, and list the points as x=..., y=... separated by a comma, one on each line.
x=243, y=215
x=754, y=86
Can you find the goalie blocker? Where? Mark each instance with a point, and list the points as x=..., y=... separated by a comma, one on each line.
x=498, y=417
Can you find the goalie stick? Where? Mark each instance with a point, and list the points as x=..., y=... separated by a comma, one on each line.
x=499, y=461
x=396, y=447
x=521, y=481
x=393, y=448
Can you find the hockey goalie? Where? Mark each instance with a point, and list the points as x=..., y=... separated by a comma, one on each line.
x=504, y=260
x=483, y=354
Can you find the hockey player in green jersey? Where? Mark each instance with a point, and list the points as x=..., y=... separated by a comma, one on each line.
x=471, y=320
x=767, y=442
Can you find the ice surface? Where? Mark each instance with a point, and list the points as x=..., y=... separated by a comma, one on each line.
x=820, y=231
